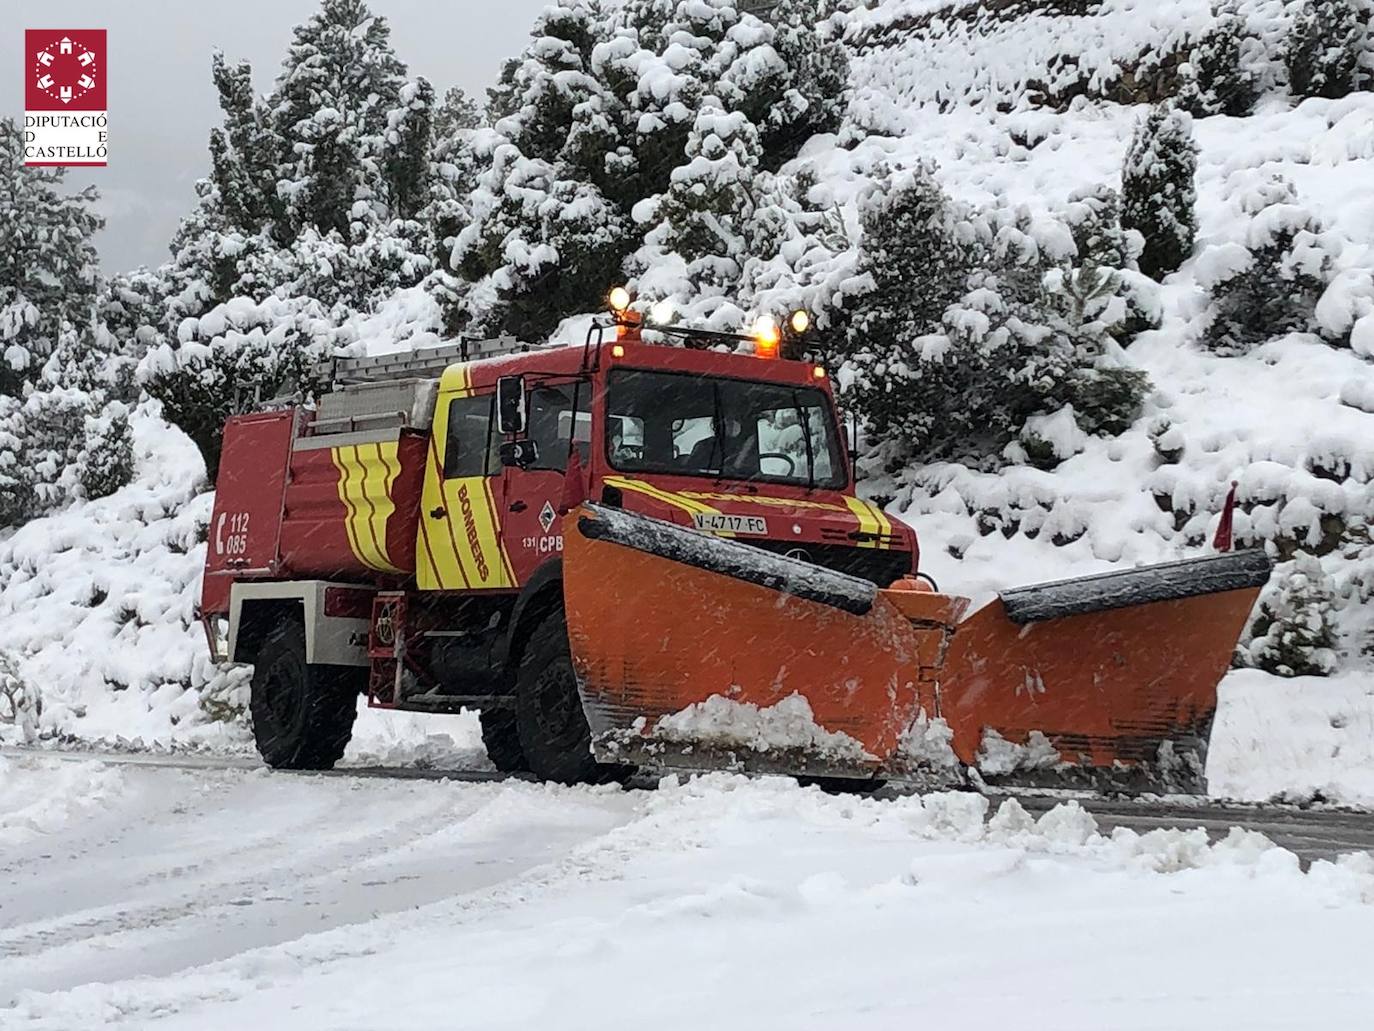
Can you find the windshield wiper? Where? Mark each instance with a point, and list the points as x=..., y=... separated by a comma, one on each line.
x=805, y=424
x=718, y=418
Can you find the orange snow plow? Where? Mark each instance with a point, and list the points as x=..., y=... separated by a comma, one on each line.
x=696, y=652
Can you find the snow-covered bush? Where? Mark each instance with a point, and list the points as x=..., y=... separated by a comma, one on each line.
x=1219, y=81
x=57, y=445
x=1159, y=195
x=969, y=324
x=1272, y=284
x=107, y=461
x=1292, y=632
x=1326, y=47
x=233, y=359
x=21, y=707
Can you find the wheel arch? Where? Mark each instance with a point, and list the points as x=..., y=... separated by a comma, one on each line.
x=542, y=593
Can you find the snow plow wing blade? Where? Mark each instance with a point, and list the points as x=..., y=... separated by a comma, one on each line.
x=1106, y=681
x=697, y=652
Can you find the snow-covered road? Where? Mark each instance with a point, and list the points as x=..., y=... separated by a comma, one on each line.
x=139, y=895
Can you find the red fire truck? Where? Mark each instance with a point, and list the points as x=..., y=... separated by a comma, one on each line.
x=403, y=537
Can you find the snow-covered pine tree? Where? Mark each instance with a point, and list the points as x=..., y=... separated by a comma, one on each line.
x=1093, y=216
x=1285, y=271
x=338, y=85
x=48, y=265
x=246, y=153
x=1293, y=632
x=130, y=318
x=915, y=259
x=51, y=376
x=706, y=211
x=1326, y=46
x=539, y=247
x=552, y=78
x=544, y=241
x=409, y=143
x=1220, y=83
x=664, y=62
x=788, y=80
x=1158, y=189
x=454, y=169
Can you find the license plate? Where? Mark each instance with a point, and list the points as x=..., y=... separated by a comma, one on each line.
x=755, y=526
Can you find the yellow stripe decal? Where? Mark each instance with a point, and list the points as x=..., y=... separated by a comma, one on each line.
x=868, y=520
x=466, y=544
x=345, y=497
x=688, y=505
x=365, y=481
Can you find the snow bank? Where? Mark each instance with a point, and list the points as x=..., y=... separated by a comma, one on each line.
x=1294, y=739
x=97, y=606
x=36, y=802
x=856, y=911
x=789, y=724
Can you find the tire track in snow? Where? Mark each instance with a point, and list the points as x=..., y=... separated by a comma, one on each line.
x=207, y=864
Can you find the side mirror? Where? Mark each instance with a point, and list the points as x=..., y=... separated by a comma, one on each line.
x=510, y=405
x=520, y=453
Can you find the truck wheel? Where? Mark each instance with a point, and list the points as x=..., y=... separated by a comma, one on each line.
x=302, y=714
x=553, y=728
x=502, y=738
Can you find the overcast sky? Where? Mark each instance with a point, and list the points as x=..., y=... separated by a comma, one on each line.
x=162, y=103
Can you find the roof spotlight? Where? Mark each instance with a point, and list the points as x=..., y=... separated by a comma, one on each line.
x=619, y=299
x=800, y=321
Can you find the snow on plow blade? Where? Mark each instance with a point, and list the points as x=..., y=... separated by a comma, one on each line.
x=696, y=652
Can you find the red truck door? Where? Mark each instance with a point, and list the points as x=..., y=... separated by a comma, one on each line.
x=558, y=415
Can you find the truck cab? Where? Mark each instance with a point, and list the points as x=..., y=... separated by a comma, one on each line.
x=408, y=528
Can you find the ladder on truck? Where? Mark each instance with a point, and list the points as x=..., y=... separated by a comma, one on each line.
x=376, y=394
x=421, y=363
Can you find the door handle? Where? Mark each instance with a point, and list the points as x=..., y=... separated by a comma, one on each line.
x=438, y=513
x=518, y=506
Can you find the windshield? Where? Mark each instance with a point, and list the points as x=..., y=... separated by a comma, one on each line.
x=664, y=422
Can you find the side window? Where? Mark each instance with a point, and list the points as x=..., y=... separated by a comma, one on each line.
x=471, y=446
x=553, y=425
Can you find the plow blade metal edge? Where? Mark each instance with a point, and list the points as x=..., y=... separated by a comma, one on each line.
x=679, y=639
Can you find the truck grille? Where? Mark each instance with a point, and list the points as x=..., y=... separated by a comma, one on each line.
x=880, y=566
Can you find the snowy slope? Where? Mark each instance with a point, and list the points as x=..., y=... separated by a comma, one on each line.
x=1280, y=420
x=230, y=900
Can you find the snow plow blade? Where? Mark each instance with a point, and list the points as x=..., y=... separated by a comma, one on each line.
x=696, y=652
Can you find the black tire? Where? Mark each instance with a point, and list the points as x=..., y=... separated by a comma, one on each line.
x=302, y=714
x=553, y=728
x=502, y=738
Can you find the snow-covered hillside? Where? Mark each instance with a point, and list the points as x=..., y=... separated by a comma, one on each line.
x=1292, y=421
